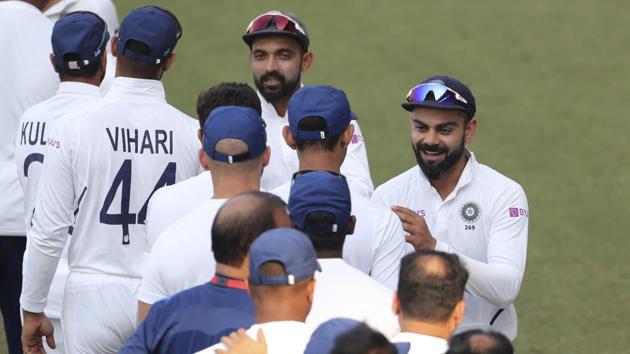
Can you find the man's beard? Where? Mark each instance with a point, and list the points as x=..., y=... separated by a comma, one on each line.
x=436, y=169
x=284, y=90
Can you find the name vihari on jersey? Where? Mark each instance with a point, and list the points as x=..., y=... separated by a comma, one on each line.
x=141, y=141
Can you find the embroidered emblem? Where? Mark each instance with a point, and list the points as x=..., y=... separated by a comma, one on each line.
x=470, y=212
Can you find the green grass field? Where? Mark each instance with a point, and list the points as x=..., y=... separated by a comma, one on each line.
x=551, y=81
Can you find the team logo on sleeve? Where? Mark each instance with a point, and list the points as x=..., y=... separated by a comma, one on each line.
x=470, y=212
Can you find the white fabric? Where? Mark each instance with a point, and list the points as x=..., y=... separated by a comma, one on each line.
x=283, y=337
x=90, y=152
x=26, y=78
x=60, y=345
x=493, y=247
x=378, y=242
x=99, y=312
x=105, y=9
x=284, y=161
x=343, y=291
x=30, y=146
x=421, y=343
x=171, y=203
x=182, y=256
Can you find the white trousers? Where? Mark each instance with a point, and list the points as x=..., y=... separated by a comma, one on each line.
x=99, y=312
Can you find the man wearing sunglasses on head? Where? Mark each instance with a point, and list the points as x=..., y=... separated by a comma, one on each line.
x=279, y=53
x=452, y=203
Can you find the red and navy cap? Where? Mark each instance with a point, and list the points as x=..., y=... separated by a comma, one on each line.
x=278, y=23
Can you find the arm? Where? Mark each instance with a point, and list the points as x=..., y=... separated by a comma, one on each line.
x=355, y=166
x=240, y=343
x=391, y=248
x=151, y=287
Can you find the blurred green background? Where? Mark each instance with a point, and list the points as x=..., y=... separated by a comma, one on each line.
x=552, y=83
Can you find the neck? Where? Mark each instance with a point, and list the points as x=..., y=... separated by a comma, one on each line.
x=228, y=186
x=330, y=254
x=283, y=310
x=319, y=161
x=447, y=182
x=440, y=330
x=281, y=106
x=232, y=272
x=85, y=80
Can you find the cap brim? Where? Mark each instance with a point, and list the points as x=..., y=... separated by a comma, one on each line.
x=410, y=106
x=248, y=38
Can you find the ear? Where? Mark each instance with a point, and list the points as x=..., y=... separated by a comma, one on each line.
x=288, y=137
x=458, y=312
x=346, y=136
x=115, y=46
x=311, y=290
x=266, y=156
x=200, y=135
x=169, y=61
x=52, y=61
x=307, y=61
x=351, y=224
x=471, y=128
x=395, y=305
x=203, y=159
x=104, y=60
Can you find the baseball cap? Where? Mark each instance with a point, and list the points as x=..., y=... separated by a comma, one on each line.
x=155, y=27
x=322, y=101
x=82, y=33
x=234, y=122
x=323, y=338
x=320, y=191
x=277, y=22
x=442, y=92
x=287, y=246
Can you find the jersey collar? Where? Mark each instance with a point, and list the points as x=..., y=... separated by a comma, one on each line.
x=80, y=88
x=123, y=87
x=227, y=282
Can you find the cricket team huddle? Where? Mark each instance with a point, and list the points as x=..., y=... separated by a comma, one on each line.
x=254, y=228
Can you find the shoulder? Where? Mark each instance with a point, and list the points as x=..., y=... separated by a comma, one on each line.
x=283, y=191
x=487, y=178
x=399, y=184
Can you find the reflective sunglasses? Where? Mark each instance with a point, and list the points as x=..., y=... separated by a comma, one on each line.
x=434, y=92
x=281, y=21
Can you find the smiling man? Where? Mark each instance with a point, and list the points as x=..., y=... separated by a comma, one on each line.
x=279, y=54
x=452, y=203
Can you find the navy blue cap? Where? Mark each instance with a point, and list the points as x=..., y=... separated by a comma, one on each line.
x=153, y=26
x=470, y=107
x=234, y=122
x=323, y=338
x=287, y=246
x=318, y=191
x=321, y=101
x=82, y=33
x=402, y=347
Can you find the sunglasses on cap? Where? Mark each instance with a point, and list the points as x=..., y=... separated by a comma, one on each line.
x=434, y=92
x=281, y=22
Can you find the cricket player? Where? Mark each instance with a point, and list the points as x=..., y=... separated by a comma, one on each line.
x=320, y=130
x=279, y=54
x=235, y=151
x=101, y=167
x=77, y=38
x=452, y=203
x=26, y=78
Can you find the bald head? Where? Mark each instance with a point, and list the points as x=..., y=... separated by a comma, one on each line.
x=480, y=342
x=430, y=286
x=240, y=220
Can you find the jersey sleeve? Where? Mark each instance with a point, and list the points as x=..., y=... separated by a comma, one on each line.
x=499, y=280
x=389, y=251
x=152, y=287
x=53, y=215
x=355, y=166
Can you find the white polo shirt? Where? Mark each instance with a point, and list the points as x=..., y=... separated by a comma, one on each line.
x=422, y=343
x=485, y=222
x=182, y=256
x=26, y=78
x=378, y=242
x=343, y=291
x=282, y=337
x=284, y=161
x=30, y=147
x=171, y=203
x=102, y=166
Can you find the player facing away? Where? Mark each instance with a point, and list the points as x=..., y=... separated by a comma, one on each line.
x=452, y=203
x=78, y=38
x=101, y=168
x=279, y=54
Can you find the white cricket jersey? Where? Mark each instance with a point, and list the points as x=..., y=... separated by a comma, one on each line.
x=171, y=203
x=30, y=146
x=284, y=162
x=422, y=343
x=282, y=337
x=343, y=291
x=484, y=221
x=26, y=78
x=378, y=242
x=101, y=167
x=182, y=256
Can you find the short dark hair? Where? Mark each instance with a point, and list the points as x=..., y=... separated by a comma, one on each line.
x=324, y=241
x=233, y=232
x=139, y=68
x=495, y=343
x=362, y=339
x=87, y=72
x=226, y=94
x=430, y=285
x=315, y=124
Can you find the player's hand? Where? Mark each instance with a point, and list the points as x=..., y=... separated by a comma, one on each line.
x=239, y=343
x=36, y=326
x=418, y=234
